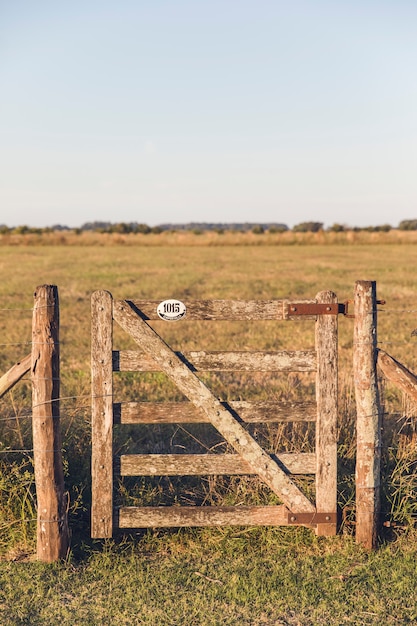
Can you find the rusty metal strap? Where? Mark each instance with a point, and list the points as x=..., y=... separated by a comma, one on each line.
x=314, y=308
x=311, y=519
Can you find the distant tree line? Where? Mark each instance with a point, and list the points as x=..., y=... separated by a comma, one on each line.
x=200, y=227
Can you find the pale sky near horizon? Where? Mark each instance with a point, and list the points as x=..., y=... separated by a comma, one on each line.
x=209, y=111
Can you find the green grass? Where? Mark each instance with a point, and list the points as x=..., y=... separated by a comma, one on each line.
x=209, y=578
x=205, y=576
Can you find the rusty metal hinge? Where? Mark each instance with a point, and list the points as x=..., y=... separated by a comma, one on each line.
x=314, y=308
x=311, y=519
x=294, y=309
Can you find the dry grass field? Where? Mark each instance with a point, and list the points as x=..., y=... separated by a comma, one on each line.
x=205, y=576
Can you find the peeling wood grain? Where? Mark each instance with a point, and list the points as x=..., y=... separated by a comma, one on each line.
x=368, y=425
x=326, y=426
x=187, y=413
x=102, y=415
x=207, y=464
x=264, y=361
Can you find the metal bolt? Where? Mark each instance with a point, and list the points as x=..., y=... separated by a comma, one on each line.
x=293, y=518
x=328, y=518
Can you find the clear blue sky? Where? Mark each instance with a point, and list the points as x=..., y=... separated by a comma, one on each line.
x=208, y=110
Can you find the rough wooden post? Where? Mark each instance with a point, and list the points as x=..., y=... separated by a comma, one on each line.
x=52, y=528
x=326, y=426
x=102, y=414
x=368, y=424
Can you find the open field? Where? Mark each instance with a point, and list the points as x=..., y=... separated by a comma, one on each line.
x=222, y=576
x=209, y=238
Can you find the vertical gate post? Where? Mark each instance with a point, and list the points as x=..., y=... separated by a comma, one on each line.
x=327, y=406
x=368, y=421
x=102, y=414
x=52, y=523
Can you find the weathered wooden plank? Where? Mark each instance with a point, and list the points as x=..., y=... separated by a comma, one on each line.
x=327, y=407
x=219, y=416
x=221, y=310
x=368, y=422
x=180, y=516
x=102, y=414
x=398, y=374
x=265, y=361
x=14, y=374
x=207, y=464
x=187, y=413
x=52, y=523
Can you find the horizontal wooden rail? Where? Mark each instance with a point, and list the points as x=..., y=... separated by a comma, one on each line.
x=263, y=361
x=397, y=373
x=225, y=310
x=207, y=464
x=179, y=516
x=15, y=373
x=187, y=413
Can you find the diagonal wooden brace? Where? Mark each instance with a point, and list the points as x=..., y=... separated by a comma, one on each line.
x=197, y=392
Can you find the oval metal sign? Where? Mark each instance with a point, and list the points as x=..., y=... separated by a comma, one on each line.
x=171, y=310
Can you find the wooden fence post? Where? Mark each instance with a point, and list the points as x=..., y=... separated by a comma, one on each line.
x=102, y=414
x=52, y=528
x=368, y=424
x=327, y=407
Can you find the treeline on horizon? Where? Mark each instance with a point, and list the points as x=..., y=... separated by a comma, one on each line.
x=201, y=227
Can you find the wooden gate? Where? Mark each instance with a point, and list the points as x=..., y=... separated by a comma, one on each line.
x=228, y=418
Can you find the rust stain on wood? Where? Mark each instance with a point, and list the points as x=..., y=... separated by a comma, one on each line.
x=102, y=415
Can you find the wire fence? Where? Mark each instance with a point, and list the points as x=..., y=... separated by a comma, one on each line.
x=81, y=404
x=29, y=415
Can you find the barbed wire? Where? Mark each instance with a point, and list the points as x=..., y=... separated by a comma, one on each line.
x=43, y=306
x=62, y=416
x=13, y=451
x=5, y=523
x=393, y=343
x=397, y=310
